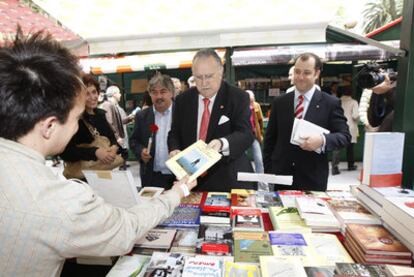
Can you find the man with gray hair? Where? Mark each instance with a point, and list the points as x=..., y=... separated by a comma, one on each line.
x=218, y=113
x=152, y=156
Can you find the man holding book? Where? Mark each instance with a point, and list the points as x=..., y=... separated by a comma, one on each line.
x=44, y=218
x=153, y=170
x=307, y=162
x=217, y=113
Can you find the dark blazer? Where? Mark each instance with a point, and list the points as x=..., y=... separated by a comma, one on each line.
x=309, y=169
x=98, y=120
x=231, y=102
x=139, y=140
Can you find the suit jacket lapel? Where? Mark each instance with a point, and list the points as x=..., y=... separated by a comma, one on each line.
x=216, y=112
x=313, y=108
x=192, y=117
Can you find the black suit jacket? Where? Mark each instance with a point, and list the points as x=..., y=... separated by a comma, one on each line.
x=139, y=140
x=309, y=169
x=231, y=102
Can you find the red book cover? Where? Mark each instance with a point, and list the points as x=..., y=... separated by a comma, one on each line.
x=267, y=222
x=216, y=202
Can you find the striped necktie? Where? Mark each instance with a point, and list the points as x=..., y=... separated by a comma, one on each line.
x=299, y=107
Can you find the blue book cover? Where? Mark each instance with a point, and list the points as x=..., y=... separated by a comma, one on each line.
x=183, y=216
x=293, y=239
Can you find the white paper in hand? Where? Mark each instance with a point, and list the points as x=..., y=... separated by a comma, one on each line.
x=303, y=128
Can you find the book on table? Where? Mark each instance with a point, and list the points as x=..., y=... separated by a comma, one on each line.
x=247, y=219
x=203, y=266
x=248, y=246
x=130, y=265
x=215, y=240
x=272, y=266
x=382, y=160
x=375, y=239
x=157, y=238
x=193, y=161
x=165, y=264
x=183, y=216
x=351, y=211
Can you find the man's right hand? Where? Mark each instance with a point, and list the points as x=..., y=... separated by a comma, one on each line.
x=106, y=156
x=174, y=152
x=145, y=155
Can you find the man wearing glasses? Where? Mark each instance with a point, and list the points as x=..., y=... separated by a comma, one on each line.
x=218, y=113
x=153, y=169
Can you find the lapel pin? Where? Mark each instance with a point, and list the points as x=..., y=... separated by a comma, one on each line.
x=317, y=106
x=221, y=107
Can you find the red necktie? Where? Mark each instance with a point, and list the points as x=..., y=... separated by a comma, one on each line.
x=205, y=119
x=299, y=107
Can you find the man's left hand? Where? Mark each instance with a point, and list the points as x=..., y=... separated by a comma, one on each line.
x=312, y=142
x=215, y=144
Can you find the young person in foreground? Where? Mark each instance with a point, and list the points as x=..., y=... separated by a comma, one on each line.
x=44, y=219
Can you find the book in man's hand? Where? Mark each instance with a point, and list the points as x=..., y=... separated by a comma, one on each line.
x=303, y=128
x=193, y=161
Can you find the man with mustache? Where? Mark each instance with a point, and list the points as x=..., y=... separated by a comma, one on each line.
x=153, y=169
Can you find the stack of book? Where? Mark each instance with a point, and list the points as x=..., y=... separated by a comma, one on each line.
x=374, y=197
x=375, y=245
x=351, y=211
x=398, y=216
x=317, y=215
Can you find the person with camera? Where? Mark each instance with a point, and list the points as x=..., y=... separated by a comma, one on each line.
x=381, y=105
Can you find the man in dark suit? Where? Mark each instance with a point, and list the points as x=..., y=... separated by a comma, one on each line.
x=153, y=170
x=217, y=113
x=309, y=169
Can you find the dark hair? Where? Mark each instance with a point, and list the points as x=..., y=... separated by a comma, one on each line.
x=162, y=80
x=306, y=56
x=89, y=80
x=206, y=53
x=38, y=78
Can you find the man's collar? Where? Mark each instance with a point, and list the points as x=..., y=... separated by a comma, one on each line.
x=308, y=94
x=165, y=112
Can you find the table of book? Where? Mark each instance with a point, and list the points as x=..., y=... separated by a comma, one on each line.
x=257, y=233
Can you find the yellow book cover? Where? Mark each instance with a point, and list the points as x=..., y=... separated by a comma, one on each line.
x=237, y=269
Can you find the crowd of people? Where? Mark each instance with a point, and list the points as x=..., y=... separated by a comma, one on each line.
x=50, y=108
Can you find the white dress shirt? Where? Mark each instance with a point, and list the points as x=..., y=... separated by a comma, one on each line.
x=163, y=121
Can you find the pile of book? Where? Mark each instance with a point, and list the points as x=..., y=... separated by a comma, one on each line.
x=398, y=217
x=374, y=244
x=249, y=233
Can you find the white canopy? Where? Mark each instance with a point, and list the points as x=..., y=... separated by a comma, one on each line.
x=149, y=25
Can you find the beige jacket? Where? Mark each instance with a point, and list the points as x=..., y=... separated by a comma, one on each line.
x=351, y=112
x=45, y=219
